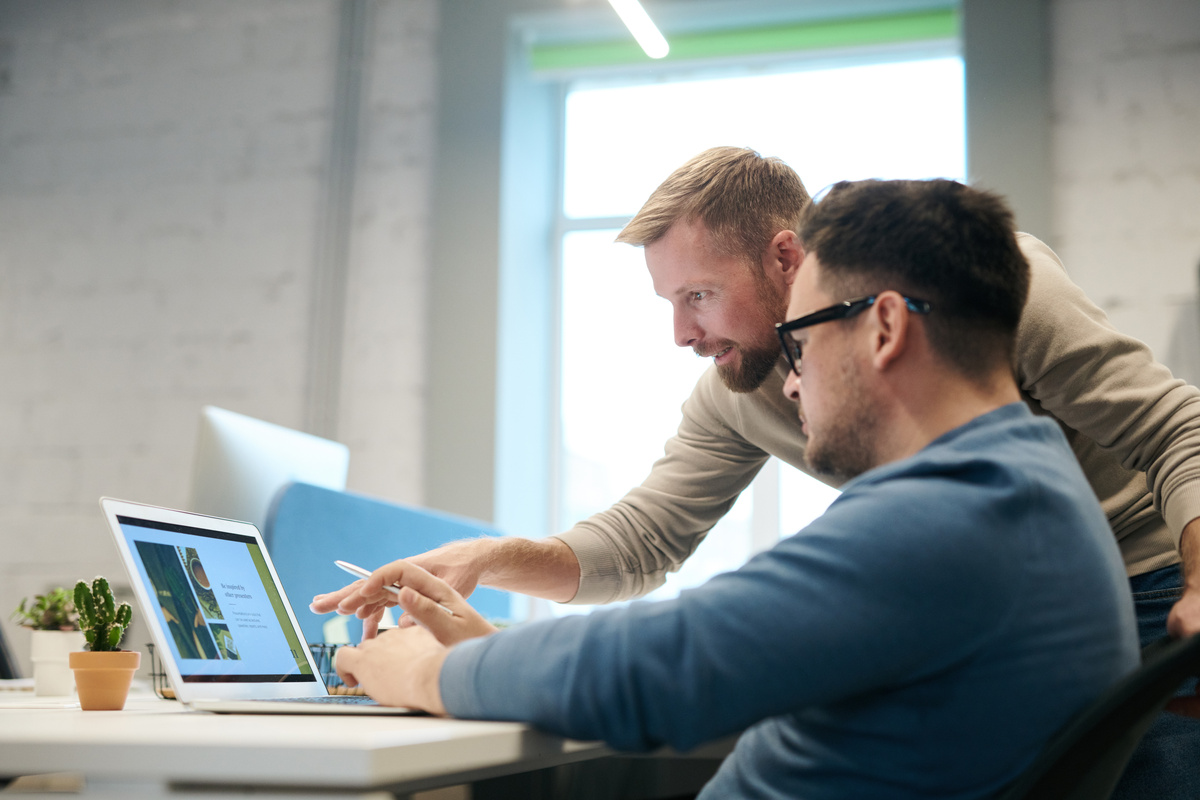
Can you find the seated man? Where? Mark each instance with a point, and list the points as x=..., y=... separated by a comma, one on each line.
x=959, y=601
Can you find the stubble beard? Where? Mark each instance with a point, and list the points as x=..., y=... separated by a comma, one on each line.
x=843, y=448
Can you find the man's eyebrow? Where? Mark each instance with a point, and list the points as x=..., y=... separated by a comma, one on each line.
x=688, y=288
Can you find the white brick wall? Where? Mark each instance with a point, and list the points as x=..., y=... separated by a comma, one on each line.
x=1126, y=97
x=383, y=381
x=160, y=168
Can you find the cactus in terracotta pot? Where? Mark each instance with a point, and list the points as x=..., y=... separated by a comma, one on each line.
x=103, y=623
x=103, y=673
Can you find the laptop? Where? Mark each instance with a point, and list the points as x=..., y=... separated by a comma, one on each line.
x=219, y=617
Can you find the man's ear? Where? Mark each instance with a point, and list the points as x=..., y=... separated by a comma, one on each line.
x=783, y=257
x=890, y=330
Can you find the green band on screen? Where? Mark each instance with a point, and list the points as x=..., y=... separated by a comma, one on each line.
x=268, y=583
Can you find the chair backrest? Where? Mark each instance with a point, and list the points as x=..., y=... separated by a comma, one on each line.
x=309, y=527
x=1085, y=759
x=8, y=662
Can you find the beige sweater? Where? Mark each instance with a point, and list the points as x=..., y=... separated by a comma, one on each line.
x=1134, y=428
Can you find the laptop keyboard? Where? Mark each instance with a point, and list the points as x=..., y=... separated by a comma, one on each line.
x=334, y=699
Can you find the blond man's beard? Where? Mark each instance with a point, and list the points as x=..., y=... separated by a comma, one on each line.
x=757, y=359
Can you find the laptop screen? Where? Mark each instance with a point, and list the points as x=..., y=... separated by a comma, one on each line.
x=214, y=596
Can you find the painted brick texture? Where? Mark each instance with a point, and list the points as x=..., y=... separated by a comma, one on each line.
x=1126, y=100
x=160, y=180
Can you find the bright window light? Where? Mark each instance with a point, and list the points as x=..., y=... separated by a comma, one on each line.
x=623, y=380
x=874, y=121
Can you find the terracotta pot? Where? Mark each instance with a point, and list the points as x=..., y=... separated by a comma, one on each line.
x=103, y=679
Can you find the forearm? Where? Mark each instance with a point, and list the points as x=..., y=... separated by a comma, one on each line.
x=615, y=675
x=644, y=675
x=1189, y=553
x=544, y=568
x=629, y=548
x=1184, y=619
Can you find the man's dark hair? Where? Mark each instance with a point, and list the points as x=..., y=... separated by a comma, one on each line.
x=935, y=240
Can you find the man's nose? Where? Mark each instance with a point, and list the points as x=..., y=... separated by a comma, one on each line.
x=791, y=386
x=687, y=331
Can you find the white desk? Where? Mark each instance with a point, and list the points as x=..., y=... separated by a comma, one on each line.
x=155, y=749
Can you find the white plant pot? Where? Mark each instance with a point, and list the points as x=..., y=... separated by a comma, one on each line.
x=50, y=651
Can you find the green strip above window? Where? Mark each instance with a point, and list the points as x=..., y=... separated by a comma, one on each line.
x=730, y=43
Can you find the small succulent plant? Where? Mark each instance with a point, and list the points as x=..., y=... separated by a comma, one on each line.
x=52, y=611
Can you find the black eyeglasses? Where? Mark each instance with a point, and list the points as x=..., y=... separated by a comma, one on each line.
x=843, y=310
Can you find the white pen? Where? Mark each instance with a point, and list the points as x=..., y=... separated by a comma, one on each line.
x=354, y=569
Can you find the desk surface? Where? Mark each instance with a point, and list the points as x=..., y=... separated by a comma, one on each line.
x=155, y=743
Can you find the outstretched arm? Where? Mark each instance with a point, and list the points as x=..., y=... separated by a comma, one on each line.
x=539, y=567
x=542, y=568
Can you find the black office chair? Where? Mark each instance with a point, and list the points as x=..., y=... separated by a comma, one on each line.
x=1085, y=759
x=8, y=662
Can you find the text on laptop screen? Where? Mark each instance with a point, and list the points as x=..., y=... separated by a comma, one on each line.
x=214, y=595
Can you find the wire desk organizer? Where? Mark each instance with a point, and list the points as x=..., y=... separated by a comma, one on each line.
x=324, y=655
x=158, y=676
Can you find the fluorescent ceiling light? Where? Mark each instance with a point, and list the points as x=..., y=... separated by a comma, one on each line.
x=641, y=26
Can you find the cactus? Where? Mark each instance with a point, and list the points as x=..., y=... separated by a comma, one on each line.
x=102, y=623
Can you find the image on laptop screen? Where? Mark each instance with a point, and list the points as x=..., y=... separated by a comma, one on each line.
x=213, y=593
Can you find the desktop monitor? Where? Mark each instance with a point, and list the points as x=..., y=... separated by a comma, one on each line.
x=242, y=462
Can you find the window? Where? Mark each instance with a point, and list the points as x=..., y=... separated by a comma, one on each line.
x=490, y=416
x=622, y=379
x=589, y=382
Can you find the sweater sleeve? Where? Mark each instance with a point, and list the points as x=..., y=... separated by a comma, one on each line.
x=822, y=616
x=1108, y=387
x=628, y=549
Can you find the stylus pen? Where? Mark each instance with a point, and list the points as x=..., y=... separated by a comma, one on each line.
x=354, y=569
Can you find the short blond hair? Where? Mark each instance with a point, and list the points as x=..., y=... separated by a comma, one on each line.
x=742, y=199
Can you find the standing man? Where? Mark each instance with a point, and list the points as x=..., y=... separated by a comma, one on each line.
x=931, y=656
x=719, y=242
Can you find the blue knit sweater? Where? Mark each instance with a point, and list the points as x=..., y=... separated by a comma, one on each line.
x=922, y=638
